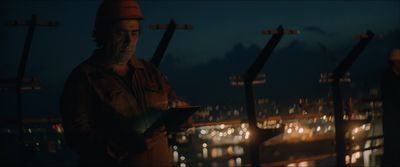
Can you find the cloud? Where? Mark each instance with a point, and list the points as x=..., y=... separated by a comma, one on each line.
x=319, y=31
x=292, y=71
x=326, y=52
x=208, y=82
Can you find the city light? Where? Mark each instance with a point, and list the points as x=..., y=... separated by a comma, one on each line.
x=347, y=159
x=222, y=126
x=368, y=127
x=301, y=130
x=240, y=132
x=222, y=142
x=231, y=162
x=355, y=157
x=243, y=125
x=175, y=156
x=230, y=151
x=205, y=153
x=247, y=135
x=238, y=161
x=355, y=130
x=303, y=164
x=58, y=128
x=289, y=131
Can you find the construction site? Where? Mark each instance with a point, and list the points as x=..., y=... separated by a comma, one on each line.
x=274, y=83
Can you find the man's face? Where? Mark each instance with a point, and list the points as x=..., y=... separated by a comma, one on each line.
x=122, y=41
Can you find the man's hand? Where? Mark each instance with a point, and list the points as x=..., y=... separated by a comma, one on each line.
x=179, y=103
x=154, y=137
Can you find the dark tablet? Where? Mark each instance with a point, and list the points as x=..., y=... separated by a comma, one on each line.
x=173, y=117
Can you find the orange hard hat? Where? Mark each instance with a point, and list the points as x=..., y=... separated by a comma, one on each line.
x=118, y=9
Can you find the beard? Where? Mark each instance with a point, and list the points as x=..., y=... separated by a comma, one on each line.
x=117, y=53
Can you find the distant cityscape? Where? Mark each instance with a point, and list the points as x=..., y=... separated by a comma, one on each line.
x=220, y=133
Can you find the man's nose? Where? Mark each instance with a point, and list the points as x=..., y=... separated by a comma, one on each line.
x=128, y=40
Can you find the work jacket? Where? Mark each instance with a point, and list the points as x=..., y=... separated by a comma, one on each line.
x=102, y=114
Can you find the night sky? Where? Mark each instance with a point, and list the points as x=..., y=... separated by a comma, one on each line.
x=225, y=40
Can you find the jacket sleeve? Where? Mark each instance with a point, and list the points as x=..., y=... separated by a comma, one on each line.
x=76, y=107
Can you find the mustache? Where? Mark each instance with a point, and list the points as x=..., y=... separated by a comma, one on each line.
x=117, y=52
x=127, y=50
x=118, y=46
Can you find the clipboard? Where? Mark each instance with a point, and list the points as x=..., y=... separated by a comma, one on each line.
x=173, y=117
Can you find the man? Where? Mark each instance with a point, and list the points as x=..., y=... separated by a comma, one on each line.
x=391, y=111
x=106, y=98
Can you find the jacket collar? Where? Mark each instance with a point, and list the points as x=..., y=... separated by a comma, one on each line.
x=136, y=63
